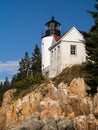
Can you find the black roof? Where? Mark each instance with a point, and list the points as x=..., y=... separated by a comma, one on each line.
x=52, y=21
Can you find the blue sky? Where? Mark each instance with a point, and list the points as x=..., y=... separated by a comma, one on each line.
x=22, y=21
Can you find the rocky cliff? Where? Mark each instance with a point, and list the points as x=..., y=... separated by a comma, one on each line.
x=49, y=107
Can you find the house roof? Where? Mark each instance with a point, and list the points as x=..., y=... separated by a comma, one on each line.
x=60, y=38
x=57, y=38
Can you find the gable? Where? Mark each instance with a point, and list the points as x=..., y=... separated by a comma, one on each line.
x=73, y=35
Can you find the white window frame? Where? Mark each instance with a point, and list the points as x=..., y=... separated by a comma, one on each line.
x=73, y=50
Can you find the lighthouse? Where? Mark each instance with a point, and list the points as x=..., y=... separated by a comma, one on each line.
x=52, y=33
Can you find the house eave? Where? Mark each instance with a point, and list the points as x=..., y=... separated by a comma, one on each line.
x=50, y=48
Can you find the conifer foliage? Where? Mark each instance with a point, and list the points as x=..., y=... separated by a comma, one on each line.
x=36, y=61
x=28, y=77
x=24, y=66
x=30, y=66
x=92, y=51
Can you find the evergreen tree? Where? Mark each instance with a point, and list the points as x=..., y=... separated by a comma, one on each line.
x=14, y=79
x=1, y=84
x=6, y=83
x=92, y=51
x=24, y=70
x=36, y=61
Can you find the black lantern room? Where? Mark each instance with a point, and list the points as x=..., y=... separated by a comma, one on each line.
x=52, y=28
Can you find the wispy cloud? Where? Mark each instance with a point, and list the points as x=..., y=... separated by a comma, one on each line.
x=8, y=69
x=9, y=66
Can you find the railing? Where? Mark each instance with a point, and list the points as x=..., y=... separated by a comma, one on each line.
x=43, y=33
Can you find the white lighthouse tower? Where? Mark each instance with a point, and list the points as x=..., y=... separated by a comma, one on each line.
x=52, y=30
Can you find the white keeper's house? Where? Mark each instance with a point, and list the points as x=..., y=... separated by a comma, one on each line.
x=61, y=51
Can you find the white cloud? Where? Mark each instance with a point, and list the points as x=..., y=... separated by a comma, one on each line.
x=10, y=67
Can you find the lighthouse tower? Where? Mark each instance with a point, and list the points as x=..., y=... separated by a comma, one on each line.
x=52, y=30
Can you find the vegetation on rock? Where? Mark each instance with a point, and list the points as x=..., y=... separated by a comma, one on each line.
x=28, y=77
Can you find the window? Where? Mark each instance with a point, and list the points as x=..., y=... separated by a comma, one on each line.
x=58, y=27
x=73, y=49
x=58, y=53
x=52, y=26
x=58, y=49
x=46, y=27
x=55, y=54
x=51, y=57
